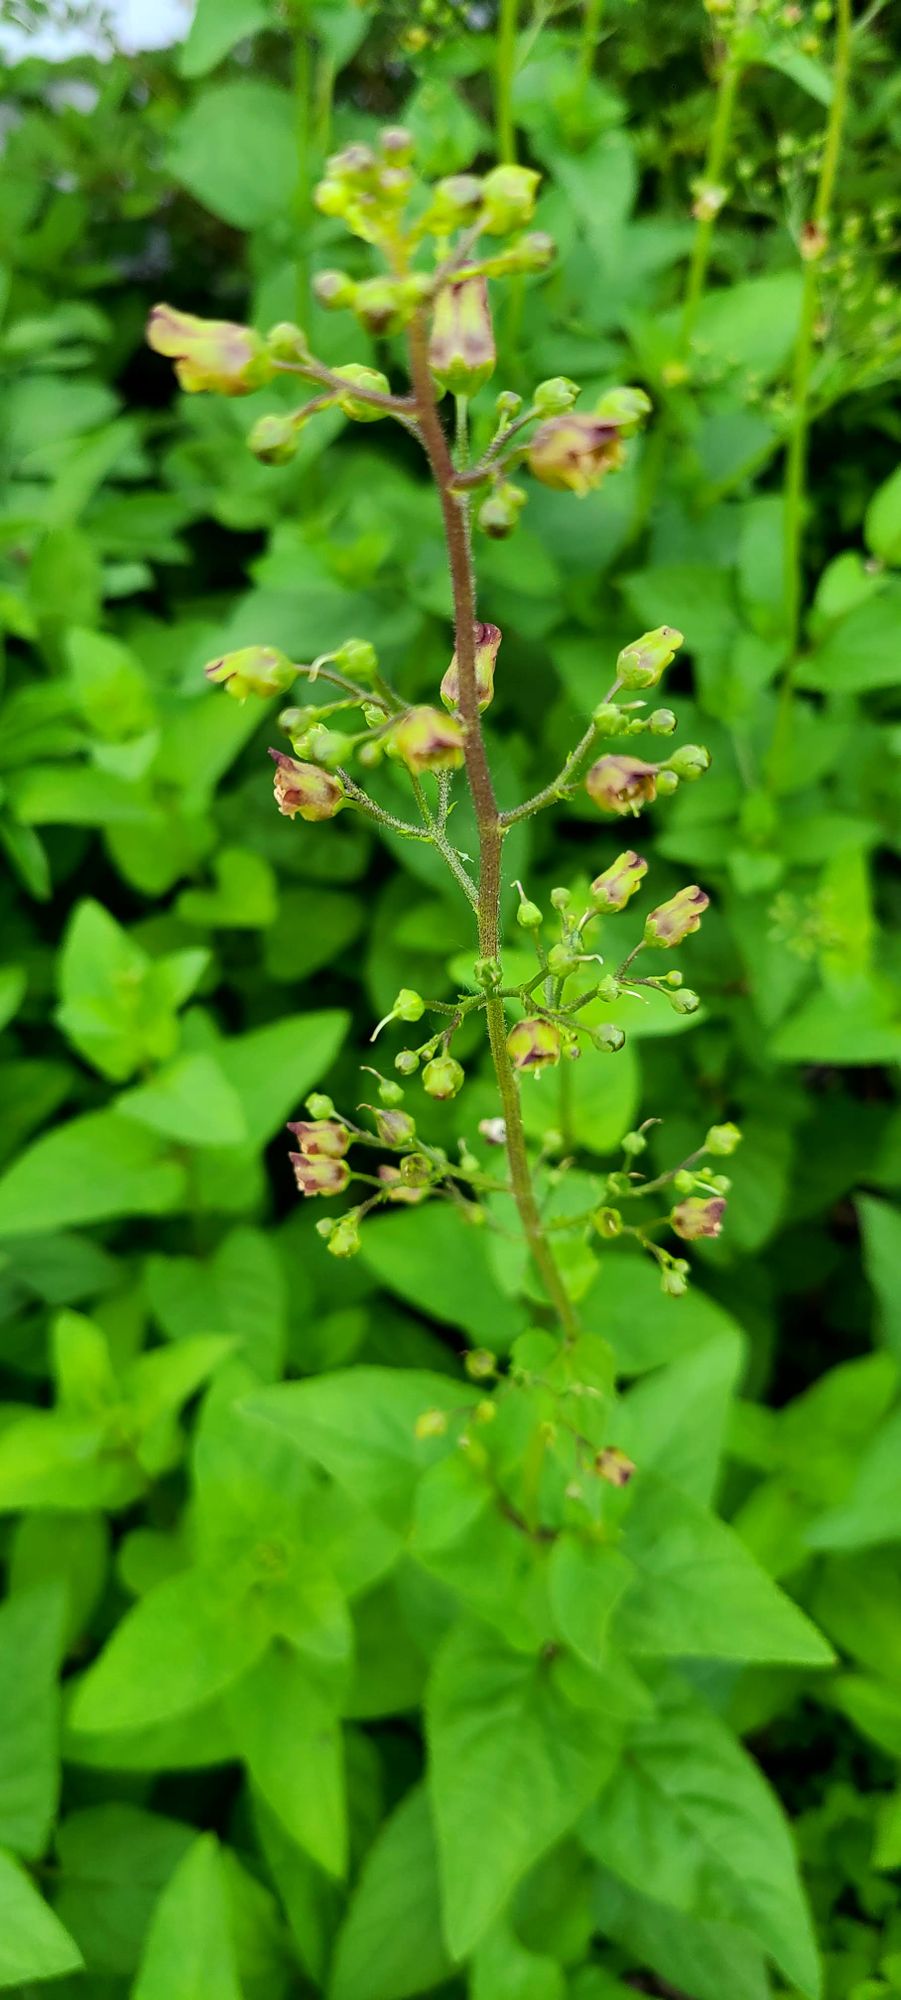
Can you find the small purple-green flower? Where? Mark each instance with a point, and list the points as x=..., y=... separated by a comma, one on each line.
x=675, y=920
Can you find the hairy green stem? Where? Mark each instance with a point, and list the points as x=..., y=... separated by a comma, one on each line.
x=714, y=164
x=796, y=453
x=505, y=68
x=490, y=830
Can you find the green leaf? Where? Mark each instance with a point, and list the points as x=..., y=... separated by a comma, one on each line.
x=881, y=1228
x=803, y=70
x=360, y=1425
x=390, y=1945
x=859, y=653
x=586, y=1581
x=882, y=522
x=699, y=1592
x=113, y=1860
x=118, y=1006
x=871, y=1513
x=417, y=1254
x=175, y=1649
x=513, y=1761
x=233, y=150
x=504, y=1970
x=190, y=1952
x=89, y=1170
x=752, y=324
x=703, y=1960
x=245, y=896
x=603, y=1092
x=191, y=1100
x=110, y=685
x=33, y=1943
x=674, y=1420
x=688, y=1811
x=241, y=1289
x=216, y=27
x=272, y=1068
x=31, y=1629
x=291, y=1743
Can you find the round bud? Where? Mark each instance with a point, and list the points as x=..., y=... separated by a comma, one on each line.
x=662, y=722
x=562, y=959
x=359, y=658
x=442, y=1077
x=608, y=988
x=390, y=1093
x=508, y=404
x=286, y=342
x=633, y=1144
x=416, y=1170
x=528, y=915
x=407, y=1062
x=561, y=898
x=344, y=1240
x=535, y=252
x=683, y=1182
x=485, y=1412
x=396, y=142
x=667, y=784
x=409, y=1006
x=722, y=1139
x=333, y=289
x=480, y=1364
x=607, y=1221
x=673, y=1283
x=672, y=978
x=690, y=762
x=554, y=396
x=326, y=1227
x=319, y=1105
x=685, y=1002
x=609, y=720
x=487, y=973
x=608, y=1038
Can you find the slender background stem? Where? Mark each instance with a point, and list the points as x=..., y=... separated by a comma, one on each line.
x=505, y=69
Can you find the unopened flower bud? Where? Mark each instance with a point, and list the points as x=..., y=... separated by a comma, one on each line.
x=407, y=1062
x=286, y=342
x=379, y=306
x=608, y=1038
x=480, y=1364
x=529, y=916
x=358, y=658
x=709, y=197
x=344, y=1239
x=573, y=453
x=334, y=289
x=661, y=722
x=683, y=1182
x=608, y=988
x=613, y=1465
x=499, y=513
x=304, y=789
x=641, y=664
x=612, y=889
x=673, y=1281
x=690, y=762
x=685, y=1001
x=390, y=1093
x=394, y=1186
x=395, y=1128
x=507, y=199
x=722, y=1140
x=209, y=353
x=677, y=919
x=508, y=403
x=625, y=407
x=485, y=1411
x=634, y=1143
x=554, y=396
x=409, y=1005
x=667, y=783
x=622, y=784
x=396, y=142
x=609, y=720
x=319, y=1105
x=456, y=199
x=430, y=1424
x=488, y=973
x=426, y=740
x=318, y=1174
x=274, y=439
x=416, y=1170
x=561, y=898
x=487, y=639
x=462, y=353
x=326, y=746
x=532, y=253
x=700, y=1215
x=260, y=670
x=607, y=1221
x=321, y=1138
x=442, y=1077
x=356, y=376
x=562, y=959
x=534, y=1045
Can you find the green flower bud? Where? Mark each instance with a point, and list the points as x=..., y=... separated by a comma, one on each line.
x=329, y=747
x=485, y=1412
x=390, y=1092
x=672, y=978
x=662, y=722
x=561, y=898
x=554, y=396
x=455, y=200
x=286, y=342
x=409, y=1005
x=685, y=1001
x=274, y=439
x=416, y=1170
x=395, y=1128
x=625, y=407
x=426, y=740
x=487, y=639
x=608, y=1038
x=562, y=959
x=325, y=1227
x=612, y=889
x=529, y=916
x=488, y=973
x=622, y=784
x=609, y=720
x=507, y=199
x=667, y=783
x=532, y=253
x=633, y=1144
x=334, y=289
x=480, y=1364
x=608, y=988
x=430, y=1424
x=319, y=1105
x=211, y=354
x=332, y=198
x=508, y=403
x=690, y=762
x=407, y=1062
x=677, y=919
x=722, y=1140
x=534, y=1045
x=344, y=1239
x=607, y=1221
x=641, y=664
x=462, y=353
x=261, y=670
x=683, y=1182
x=397, y=143
x=442, y=1077
x=357, y=658
x=699, y=1216
x=304, y=789
x=673, y=1282
x=499, y=513
x=357, y=376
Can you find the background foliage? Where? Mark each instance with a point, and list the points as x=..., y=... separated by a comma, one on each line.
x=207, y=1813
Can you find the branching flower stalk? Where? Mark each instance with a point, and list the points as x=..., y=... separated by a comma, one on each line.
x=532, y=1024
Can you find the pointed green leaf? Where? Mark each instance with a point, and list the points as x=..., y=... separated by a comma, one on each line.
x=390, y=1945
x=174, y=1650
x=190, y=1954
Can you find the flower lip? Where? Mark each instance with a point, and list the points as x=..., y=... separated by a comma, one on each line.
x=321, y=1138
x=305, y=788
x=316, y=1174
x=697, y=1216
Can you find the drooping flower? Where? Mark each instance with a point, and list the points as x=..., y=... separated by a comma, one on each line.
x=316, y=1174
x=305, y=789
x=210, y=353
x=573, y=453
x=699, y=1215
x=260, y=670
x=487, y=644
x=675, y=920
x=612, y=889
x=426, y=740
x=534, y=1044
x=461, y=344
x=622, y=784
x=321, y=1138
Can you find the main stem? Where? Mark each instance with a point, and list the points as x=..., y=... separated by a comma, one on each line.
x=490, y=831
